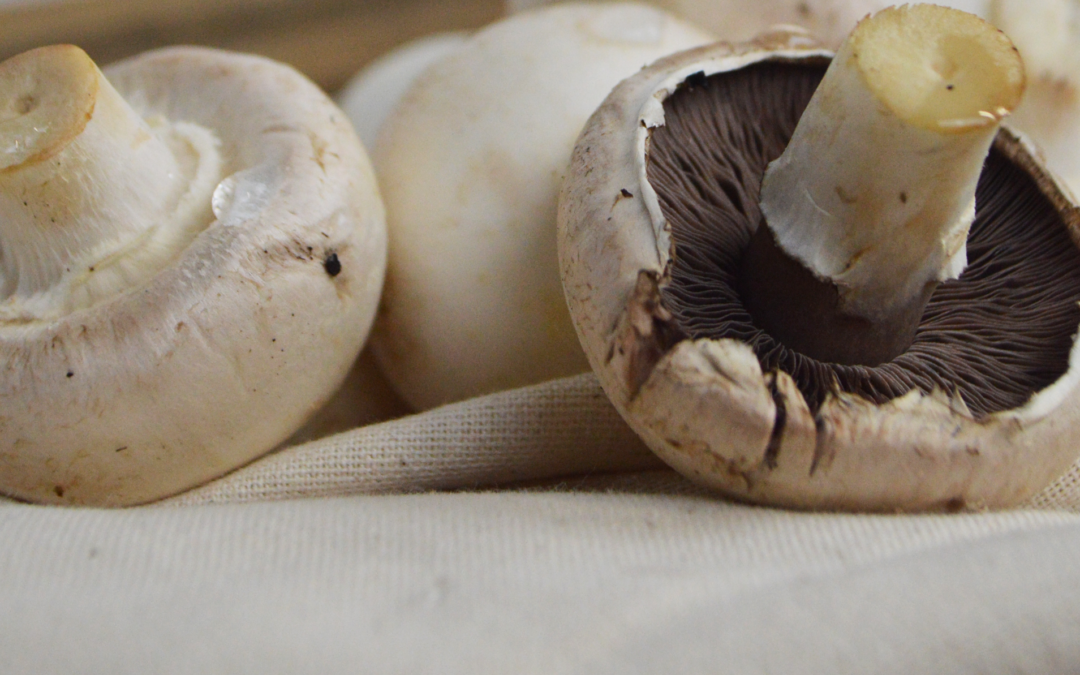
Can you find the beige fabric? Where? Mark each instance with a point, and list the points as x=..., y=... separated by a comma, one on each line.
x=591, y=558
x=518, y=582
x=1064, y=493
x=562, y=428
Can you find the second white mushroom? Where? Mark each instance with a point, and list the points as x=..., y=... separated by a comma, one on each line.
x=470, y=166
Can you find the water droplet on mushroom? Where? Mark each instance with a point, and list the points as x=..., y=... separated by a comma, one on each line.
x=223, y=196
x=242, y=195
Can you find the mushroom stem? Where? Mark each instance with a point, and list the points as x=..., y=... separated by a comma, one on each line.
x=869, y=207
x=93, y=199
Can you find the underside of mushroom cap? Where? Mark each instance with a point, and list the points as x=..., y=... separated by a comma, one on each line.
x=654, y=217
x=226, y=351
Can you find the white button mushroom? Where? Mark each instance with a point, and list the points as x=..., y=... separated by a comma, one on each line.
x=980, y=8
x=1047, y=33
x=372, y=94
x=979, y=410
x=829, y=21
x=190, y=262
x=470, y=165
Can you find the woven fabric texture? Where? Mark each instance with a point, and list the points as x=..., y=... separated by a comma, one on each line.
x=545, y=538
x=560, y=429
x=534, y=582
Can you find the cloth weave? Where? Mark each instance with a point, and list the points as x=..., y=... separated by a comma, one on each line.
x=564, y=428
x=544, y=539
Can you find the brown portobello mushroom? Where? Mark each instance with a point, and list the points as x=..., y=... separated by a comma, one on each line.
x=661, y=240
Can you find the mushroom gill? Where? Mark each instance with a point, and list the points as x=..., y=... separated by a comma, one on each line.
x=995, y=336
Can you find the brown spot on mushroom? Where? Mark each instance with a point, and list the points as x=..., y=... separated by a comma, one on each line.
x=776, y=438
x=332, y=265
x=824, y=449
x=58, y=490
x=140, y=138
x=280, y=129
x=996, y=335
x=845, y=197
x=697, y=79
x=623, y=194
x=25, y=104
x=955, y=505
x=647, y=333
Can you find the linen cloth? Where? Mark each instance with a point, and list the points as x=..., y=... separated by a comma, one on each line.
x=526, y=532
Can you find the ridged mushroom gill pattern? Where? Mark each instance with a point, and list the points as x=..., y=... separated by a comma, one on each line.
x=995, y=336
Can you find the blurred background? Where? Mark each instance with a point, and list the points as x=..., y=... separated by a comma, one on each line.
x=328, y=40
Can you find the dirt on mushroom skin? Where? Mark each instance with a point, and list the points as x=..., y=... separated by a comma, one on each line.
x=707, y=407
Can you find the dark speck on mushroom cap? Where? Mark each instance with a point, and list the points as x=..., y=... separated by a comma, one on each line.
x=996, y=335
x=332, y=265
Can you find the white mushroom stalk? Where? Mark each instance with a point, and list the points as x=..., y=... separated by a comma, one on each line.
x=94, y=200
x=875, y=193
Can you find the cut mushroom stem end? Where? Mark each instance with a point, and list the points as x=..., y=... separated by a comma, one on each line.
x=95, y=199
x=869, y=207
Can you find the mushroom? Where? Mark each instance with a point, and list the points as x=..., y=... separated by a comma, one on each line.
x=661, y=206
x=829, y=21
x=979, y=8
x=191, y=253
x=470, y=164
x=372, y=94
x=1047, y=33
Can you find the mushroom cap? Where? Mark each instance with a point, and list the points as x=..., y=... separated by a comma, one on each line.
x=829, y=21
x=470, y=165
x=373, y=93
x=225, y=352
x=709, y=407
x=979, y=8
x=1046, y=33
